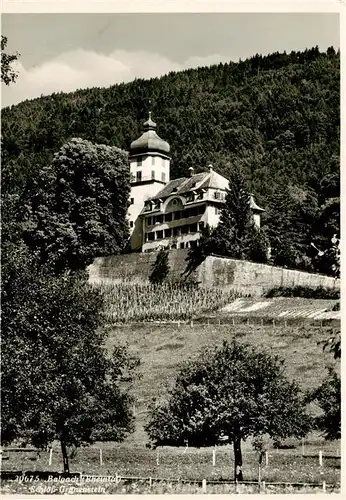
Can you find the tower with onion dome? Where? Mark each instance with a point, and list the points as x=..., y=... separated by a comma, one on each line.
x=150, y=172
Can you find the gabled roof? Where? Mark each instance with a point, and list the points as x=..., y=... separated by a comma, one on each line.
x=184, y=185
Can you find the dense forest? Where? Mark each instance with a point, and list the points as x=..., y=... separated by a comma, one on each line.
x=275, y=117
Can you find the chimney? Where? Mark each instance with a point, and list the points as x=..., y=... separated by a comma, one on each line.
x=210, y=166
x=191, y=171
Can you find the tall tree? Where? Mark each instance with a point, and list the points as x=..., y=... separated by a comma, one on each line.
x=160, y=267
x=58, y=380
x=8, y=74
x=225, y=395
x=77, y=209
x=234, y=233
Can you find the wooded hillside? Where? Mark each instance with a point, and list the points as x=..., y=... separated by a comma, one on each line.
x=275, y=117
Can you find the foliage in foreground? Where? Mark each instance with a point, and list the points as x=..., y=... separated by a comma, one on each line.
x=58, y=381
x=128, y=301
x=226, y=395
x=307, y=292
x=8, y=74
x=328, y=398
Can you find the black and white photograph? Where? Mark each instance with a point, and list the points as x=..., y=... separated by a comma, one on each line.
x=170, y=251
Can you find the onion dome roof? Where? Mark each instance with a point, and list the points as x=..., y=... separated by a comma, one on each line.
x=149, y=141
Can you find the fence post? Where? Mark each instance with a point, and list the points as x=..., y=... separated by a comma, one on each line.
x=178, y=323
x=157, y=457
x=262, y=321
x=204, y=485
x=273, y=322
x=320, y=458
x=286, y=323
x=324, y=487
x=50, y=456
x=264, y=486
x=214, y=453
x=233, y=321
x=191, y=323
x=303, y=449
x=101, y=461
x=150, y=483
x=266, y=458
x=208, y=322
x=116, y=478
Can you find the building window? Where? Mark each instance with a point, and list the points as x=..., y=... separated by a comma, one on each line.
x=193, y=211
x=193, y=244
x=153, y=160
x=168, y=217
x=177, y=215
x=158, y=219
x=151, y=236
x=201, y=226
x=139, y=162
x=201, y=209
x=163, y=176
x=138, y=176
x=185, y=214
x=193, y=228
x=132, y=200
x=176, y=231
x=182, y=245
x=200, y=196
x=153, y=174
x=131, y=223
x=217, y=211
x=159, y=235
x=173, y=246
x=185, y=229
x=148, y=221
x=168, y=233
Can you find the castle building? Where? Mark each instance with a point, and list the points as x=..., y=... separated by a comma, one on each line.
x=171, y=213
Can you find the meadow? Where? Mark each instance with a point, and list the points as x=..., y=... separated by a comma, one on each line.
x=162, y=348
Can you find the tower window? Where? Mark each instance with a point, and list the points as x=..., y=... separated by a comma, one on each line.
x=138, y=176
x=139, y=162
x=131, y=223
x=153, y=160
x=153, y=174
x=163, y=177
x=132, y=200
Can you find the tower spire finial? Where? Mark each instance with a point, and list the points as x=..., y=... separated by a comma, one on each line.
x=149, y=109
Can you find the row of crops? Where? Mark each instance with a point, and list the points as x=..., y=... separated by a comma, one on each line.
x=130, y=302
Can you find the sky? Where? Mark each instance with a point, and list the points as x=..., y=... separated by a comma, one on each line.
x=65, y=52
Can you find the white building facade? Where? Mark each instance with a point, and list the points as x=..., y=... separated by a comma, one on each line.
x=171, y=213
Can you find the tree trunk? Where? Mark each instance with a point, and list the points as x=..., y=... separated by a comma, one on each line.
x=64, y=456
x=238, y=460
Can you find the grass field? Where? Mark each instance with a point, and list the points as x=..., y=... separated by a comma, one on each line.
x=161, y=348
